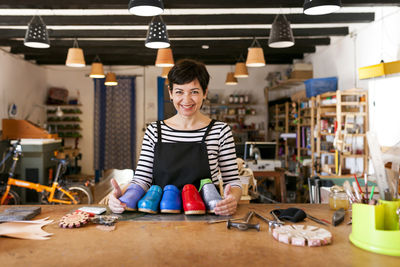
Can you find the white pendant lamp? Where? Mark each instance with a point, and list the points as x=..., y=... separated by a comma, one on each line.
x=75, y=57
x=157, y=35
x=321, y=7
x=230, y=79
x=111, y=79
x=255, y=55
x=146, y=7
x=97, y=69
x=164, y=58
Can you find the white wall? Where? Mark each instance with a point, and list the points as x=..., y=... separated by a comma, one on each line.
x=24, y=84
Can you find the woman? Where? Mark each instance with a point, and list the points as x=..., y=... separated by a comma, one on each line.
x=190, y=147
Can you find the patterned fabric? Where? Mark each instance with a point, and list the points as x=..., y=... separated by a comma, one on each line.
x=114, y=124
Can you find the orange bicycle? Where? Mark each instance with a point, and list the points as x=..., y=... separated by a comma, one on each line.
x=58, y=193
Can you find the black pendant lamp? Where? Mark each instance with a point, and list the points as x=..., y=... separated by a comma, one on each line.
x=146, y=7
x=36, y=35
x=321, y=7
x=281, y=35
x=157, y=35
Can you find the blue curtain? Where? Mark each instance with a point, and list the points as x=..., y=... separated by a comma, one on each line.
x=114, y=124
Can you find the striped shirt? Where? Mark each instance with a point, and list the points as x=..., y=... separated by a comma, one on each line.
x=220, y=148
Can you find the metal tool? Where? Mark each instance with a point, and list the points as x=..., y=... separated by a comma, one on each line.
x=276, y=217
x=317, y=220
x=248, y=217
x=271, y=223
x=242, y=226
x=338, y=216
x=236, y=219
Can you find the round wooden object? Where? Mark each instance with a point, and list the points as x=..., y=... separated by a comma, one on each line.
x=302, y=235
x=76, y=219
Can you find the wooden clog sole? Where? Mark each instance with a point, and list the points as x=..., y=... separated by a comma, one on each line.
x=129, y=209
x=189, y=212
x=171, y=211
x=148, y=211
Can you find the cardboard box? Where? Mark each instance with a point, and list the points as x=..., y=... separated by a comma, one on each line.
x=302, y=66
x=301, y=74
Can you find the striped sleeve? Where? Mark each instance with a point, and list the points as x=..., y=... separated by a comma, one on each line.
x=227, y=158
x=144, y=169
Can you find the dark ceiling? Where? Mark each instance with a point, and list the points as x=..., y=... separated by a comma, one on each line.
x=126, y=46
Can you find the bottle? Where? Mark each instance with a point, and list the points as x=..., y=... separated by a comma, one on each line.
x=241, y=99
x=246, y=99
x=338, y=198
x=236, y=99
x=230, y=99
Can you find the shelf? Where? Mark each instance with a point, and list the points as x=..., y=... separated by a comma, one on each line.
x=353, y=156
x=354, y=113
x=286, y=84
x=327, y=134
x=63, y=122
x=353, y=104
x=327, y=152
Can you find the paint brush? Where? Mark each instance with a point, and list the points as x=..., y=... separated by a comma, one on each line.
x=358, y=197
x=372, y=192
x=366, y=186
x=347, y=189
x=358, y=184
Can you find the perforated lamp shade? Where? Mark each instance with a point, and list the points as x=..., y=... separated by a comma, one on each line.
x=281, y=34
x=255, y=57
x=321, y=7
x=146, y=7
x=164, y=58
x=111, y=79
x=75, y=58
x=36, y=35
x=97, y=70
x=157, y=36
x=165, y=72
x=241, y=70
x=230, y=79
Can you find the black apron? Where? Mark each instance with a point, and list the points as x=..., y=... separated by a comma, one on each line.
x=180, y=163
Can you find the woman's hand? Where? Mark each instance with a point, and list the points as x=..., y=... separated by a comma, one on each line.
x=228, y=205
x=114, y=204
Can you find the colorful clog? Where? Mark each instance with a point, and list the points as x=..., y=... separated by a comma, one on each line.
x=131, y=196
x=209, y=194
x=171, y=200
x=149, y=203
x=192, y=202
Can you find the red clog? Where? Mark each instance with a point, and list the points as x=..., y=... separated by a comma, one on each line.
x=192, y=201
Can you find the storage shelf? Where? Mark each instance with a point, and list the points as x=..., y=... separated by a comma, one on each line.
x=287, y=84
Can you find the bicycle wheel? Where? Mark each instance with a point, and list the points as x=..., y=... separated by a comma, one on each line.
x=80, y=193
x=12, y=198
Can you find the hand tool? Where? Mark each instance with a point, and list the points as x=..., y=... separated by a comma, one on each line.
x=225, y=220
x=242, y=226
x=248, y=217
x=276, y=217
x=317, y=220
x=271, y=223
x=338, y=216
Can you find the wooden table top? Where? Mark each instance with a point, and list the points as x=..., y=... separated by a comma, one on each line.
x=184, y=243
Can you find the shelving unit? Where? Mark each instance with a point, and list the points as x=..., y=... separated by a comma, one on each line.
x=305, y=129
x=69, y=124
x=286, y=84
x=342, y=117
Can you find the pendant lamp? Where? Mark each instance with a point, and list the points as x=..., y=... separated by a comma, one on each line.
x=230, y=79
x=164, y=58
x=111, y=79
x=157, y=36
x=97, y=69
x=165, y=72
x=36, y=35
x=241, y=69
x=75, y=56
x=321, y=7
x=281, y=35
x=255, y=55
x=146, y=7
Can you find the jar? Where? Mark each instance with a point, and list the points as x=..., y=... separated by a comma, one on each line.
x=338, y=198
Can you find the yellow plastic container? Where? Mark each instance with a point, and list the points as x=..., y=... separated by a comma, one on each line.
x=376, y=228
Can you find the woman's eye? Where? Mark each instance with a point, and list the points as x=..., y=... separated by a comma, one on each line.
x=178, y=92
x=195, y=92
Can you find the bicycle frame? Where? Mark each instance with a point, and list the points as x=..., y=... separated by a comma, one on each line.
x=39, y=188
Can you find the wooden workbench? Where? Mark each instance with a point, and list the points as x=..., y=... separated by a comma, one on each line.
x=135, y=243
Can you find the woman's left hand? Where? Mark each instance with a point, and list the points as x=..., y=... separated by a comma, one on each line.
x=228, y=205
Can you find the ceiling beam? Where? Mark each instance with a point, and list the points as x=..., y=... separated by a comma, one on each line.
x=224, y=19
x=117, y=4
x=337, y=31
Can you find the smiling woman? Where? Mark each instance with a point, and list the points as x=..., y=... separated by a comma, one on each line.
x=189, y=146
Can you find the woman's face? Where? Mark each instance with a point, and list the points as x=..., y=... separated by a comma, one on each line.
x=187, y=98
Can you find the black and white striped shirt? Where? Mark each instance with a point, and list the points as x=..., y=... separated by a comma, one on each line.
x=220, y=147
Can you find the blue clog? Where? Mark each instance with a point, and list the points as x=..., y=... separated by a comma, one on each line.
x=149, y=203
x=131, y=196
x=171, y=201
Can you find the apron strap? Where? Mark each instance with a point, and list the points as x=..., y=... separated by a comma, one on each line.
x=159, y=131
x=208, y=130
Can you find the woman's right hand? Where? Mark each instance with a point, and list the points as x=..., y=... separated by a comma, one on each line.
x=114, y=204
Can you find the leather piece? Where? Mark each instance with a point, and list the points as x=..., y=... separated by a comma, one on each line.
x=210, y=195
x=132, y=196
x=26, y=229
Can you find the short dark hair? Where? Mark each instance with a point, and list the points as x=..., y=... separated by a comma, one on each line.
x=186, y=71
